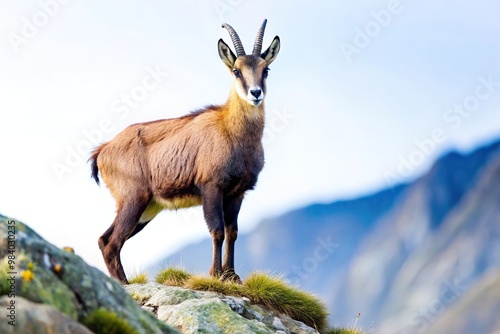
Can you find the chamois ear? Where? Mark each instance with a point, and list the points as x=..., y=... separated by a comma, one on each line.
x=272, y=52
x=226, y=54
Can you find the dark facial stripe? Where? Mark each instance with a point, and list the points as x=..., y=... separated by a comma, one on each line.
x=263, y=84
x=244, y=83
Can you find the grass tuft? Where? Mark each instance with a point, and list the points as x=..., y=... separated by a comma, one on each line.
x=139, y=279
x=353, y=329
x=275, y=294
x=172, y=277
x=102, y=321
x=203, y=283
x=140, y=299
x=342, y=331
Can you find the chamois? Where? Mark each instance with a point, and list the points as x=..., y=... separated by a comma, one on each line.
x=210, y=157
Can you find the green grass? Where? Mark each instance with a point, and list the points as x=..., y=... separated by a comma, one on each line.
x=343, y=331
x=140, y=299
x=172, y=277
x=352, y=329
x=204, y=283
x=277, y=295
x=139, y=279
x=102, y=321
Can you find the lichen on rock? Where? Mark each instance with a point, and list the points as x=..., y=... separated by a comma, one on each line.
x=64, y=281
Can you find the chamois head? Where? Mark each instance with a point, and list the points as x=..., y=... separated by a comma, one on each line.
x=249, y=71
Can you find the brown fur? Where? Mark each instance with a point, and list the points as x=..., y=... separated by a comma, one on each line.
x=174, y=157
x=210, y=157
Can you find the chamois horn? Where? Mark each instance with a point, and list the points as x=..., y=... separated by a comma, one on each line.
x=257, y=47
x=240, y=51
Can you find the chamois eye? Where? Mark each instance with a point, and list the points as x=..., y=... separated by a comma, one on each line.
x=265, y=74
x=236, y=73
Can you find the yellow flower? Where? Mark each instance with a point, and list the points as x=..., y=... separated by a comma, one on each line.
x=27, y=275
x=57, y=268
x=68, y=249
x=30, y=266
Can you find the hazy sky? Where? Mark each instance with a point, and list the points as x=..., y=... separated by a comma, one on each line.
x=362, y=95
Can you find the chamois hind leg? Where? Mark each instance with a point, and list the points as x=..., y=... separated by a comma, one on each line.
x=147, y=216
x=231, y=209
x=138, y=228
x=104, y=239
x=123, y=227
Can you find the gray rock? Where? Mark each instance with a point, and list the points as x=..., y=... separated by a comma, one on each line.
x=60, y=278
x=36, y=318
x=296, y=327
x=209, y=316
x=210, y=312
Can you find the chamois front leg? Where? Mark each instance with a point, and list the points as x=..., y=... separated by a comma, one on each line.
x=212, y=210
x=231, y=209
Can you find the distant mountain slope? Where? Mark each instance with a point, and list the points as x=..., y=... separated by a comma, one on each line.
x=476, y=312
x=416, y=224
x=391, y=256
x=454, y=259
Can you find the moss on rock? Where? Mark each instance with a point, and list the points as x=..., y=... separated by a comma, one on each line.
x=63, y=280
x=102, y=321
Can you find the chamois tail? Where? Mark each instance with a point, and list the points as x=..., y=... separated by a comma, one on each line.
x=93, y=160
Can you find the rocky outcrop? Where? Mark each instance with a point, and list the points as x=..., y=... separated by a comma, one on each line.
x=45, y=289
x=34, y=272
x=210, y=312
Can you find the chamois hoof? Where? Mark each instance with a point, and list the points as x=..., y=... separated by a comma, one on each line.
x=230, y=276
